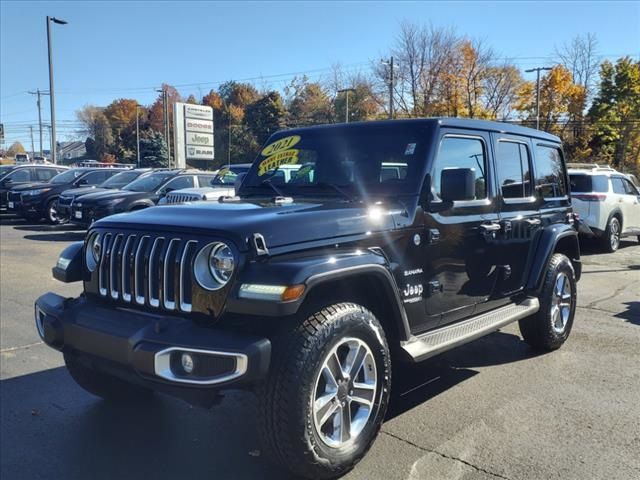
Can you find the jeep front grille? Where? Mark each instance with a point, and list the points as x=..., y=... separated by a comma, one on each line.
x=147, y=271
x=182, y=198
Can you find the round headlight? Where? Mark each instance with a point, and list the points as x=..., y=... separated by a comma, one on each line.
x=221, y=263
x=214, y=265
x=93, y=251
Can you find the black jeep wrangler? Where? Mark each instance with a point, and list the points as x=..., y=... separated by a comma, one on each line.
x=392, y=242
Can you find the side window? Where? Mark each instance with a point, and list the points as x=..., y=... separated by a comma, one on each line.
x=22, y=175
x=205, y=180
x=618, y=185
x=94, y=178
x=512, y=164
x=630, y=188
x=550, y=180
x=461, y=152
x=185, y=181
x=45, y=174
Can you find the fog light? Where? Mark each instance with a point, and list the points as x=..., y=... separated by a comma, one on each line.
x=187, y=362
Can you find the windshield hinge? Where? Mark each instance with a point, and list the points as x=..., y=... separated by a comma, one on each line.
x=260, y=244
x=281, y=200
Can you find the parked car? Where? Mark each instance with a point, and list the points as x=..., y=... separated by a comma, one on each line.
x=139, y=194
x=116, y=182
x=34, y=201
x=222, y=184
x=303, y=290
x=14, y=175
x=607, y=202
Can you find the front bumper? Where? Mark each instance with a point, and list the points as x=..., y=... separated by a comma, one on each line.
x=85, y=215
x=28, y=206
x=142, y=348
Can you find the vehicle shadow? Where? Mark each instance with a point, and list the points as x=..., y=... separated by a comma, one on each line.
x=78, y=436
x=632, y=313
x=590, y=246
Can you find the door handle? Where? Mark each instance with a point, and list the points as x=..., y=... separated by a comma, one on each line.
x=490, y=227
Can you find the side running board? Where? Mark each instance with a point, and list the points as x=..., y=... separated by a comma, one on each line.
x=437, y=341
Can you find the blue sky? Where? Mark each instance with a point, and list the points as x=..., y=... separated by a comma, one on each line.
x=125, y=49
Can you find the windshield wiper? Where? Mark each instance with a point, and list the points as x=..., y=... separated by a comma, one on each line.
x=341, y=191
x=273, y=187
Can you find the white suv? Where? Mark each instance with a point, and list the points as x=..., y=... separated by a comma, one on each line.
x=606, y=201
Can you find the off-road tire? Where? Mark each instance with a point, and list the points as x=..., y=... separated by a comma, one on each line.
x=537, y=330
x=286, y=423
x=614, y=227
x=105, y=386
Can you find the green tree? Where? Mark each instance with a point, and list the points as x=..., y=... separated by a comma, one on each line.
x=615, y=113
x=266, y=116
x=97, y=126
x=153, y=150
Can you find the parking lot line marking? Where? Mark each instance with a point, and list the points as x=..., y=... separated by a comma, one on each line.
x=11, y=349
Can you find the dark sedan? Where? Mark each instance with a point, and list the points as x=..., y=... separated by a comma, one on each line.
x=37, y=200
x=116, y=182
x=142, y=193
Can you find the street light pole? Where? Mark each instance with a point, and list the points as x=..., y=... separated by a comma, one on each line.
x=138, y=135
x=52, y=99
x=537, y=70
x=347, y=91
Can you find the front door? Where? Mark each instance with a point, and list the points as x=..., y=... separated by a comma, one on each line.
x=459, y=269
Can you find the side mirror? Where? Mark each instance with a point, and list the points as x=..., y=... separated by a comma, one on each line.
x=238, y=180
x=457, y=184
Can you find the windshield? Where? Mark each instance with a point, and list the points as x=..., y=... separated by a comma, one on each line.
x=4, y=169
x=67, y=177
x=355, y=161
x=119, y=180
x=149, y=183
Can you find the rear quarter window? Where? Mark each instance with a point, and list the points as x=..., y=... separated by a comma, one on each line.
x=550, y=180
x=588, y=183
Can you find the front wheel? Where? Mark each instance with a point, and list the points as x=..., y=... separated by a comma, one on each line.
x=549, y=328
x=327, y=392
x=51, y=212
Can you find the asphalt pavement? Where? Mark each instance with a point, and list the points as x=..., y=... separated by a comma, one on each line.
x=492, y=409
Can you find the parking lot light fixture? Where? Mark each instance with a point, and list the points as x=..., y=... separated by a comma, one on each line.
x=52, y=100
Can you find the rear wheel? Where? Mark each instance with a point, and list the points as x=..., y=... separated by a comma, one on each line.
x=549, y=328
x=327, y=392
x=104, y=386
x=611, y=238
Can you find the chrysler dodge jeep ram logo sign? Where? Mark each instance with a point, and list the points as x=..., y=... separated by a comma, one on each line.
x=193, y=132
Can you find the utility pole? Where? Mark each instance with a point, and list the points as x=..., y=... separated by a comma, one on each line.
x=51, y=95
x=390, y=64
x=165, y=124
x=33, y=151
x=537, y=70
x=347, y=91
x=39, y=93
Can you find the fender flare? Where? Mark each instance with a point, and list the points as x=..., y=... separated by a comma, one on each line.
x=547, y=246
x=141, y=205
x=313, y=273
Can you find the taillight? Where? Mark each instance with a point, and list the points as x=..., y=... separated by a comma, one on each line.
x=590, y=197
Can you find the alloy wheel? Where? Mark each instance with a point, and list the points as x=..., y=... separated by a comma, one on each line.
x=561, y=303
x=614, y=235
x=344, y=392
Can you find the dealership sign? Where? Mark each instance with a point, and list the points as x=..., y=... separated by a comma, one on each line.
x=193, y=133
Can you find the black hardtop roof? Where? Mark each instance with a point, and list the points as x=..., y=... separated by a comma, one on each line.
x=468, y=123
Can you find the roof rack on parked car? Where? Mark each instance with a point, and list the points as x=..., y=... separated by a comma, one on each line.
x=590, y=166
x=93, y=163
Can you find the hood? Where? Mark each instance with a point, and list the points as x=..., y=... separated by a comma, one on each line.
x=108, y=194
x=32, y=186
x=74, y=192
x=302, y=221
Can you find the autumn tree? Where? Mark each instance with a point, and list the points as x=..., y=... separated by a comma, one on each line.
x=156, y=112
x=615, y=114
x=364, y=104
x=308, y=103
x=266, y=116
x=16, y=147
x=96, y=125
x=121, y=115
x=500, y=87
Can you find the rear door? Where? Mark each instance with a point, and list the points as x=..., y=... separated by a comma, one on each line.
x=458, y=259
x=519, y=215
x=627, y=196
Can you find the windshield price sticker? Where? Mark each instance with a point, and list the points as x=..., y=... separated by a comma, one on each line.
x=286, y=157
x=279, y=145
